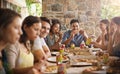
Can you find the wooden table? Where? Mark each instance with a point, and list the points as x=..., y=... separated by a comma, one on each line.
x=76, y=51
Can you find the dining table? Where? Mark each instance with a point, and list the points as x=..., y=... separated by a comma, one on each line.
x=76, y=67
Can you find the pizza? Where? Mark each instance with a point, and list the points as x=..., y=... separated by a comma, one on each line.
x=51, y=68
x=85, y=60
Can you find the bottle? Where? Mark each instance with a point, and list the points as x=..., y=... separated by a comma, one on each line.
x=59, y=58
x=72, y=45
x=82, y=45
x=88, y=41
x=62, y=48
x=61, y=68
x=105, y=57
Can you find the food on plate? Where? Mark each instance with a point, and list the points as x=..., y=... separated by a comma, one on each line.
x=61, y=57
x=55, y=53
x=85, y=60
x=65, y=57
x=114, y=63
x=99, y=53
x=91, y=70
x=55, y=59
x=81, y=53
x=94, y=70
x=51, y=68
x=72, y=46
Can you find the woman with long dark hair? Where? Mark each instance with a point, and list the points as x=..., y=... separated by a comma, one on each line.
x=114, y=37
x=102, y=40
x=55, y=36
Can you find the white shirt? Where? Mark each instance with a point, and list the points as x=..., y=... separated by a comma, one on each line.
x=38, y=43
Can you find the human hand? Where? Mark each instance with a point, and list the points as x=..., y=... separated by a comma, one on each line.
x=57, y=46
x=73, y=32
x=40, y=66
x=104, y=33
x=93, y=43
x=81, y=32
x=60, y=34
x=34, y=71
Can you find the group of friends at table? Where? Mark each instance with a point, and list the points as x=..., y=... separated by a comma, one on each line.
x=26, y=44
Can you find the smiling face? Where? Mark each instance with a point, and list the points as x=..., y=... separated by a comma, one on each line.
x=13, y=31
x=75, y=26
x=56, y=28
x=45, y=29
x=33, y=31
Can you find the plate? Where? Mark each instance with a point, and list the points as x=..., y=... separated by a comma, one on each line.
x=81, y=60
x=99, y=72
x=113, y=58
x=54, y=53
x=95, y=72
x=50, y=70
x=83, y=57
x=93, y=51
x=80, y=64
x=53, y=59
x=53, y=72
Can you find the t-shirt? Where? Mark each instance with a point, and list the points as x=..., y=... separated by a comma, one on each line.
x=50, y=41
x=38, y=43
x=78, y=38
x=17, y=58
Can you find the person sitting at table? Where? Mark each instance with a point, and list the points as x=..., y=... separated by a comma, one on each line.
x=40, y=49
x=10, y=31
x=114, y=37
x=55, y=36
x=75, y=35
x=19, y=57
x=102, y=40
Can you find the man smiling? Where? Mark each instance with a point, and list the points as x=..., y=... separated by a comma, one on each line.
x=75, y=35
x=40, y=48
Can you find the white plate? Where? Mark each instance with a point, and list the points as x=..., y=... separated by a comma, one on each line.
x=79, y=64
x=83, y=57
x=51, y=69
x=99, y=72
x=93, y=51
x=53, y=59
x=113, y=58
x=75, y=63
x=53, y=72
x=95, y=72
x=54, y=53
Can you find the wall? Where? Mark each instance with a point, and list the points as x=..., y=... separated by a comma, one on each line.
x=87, y=11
